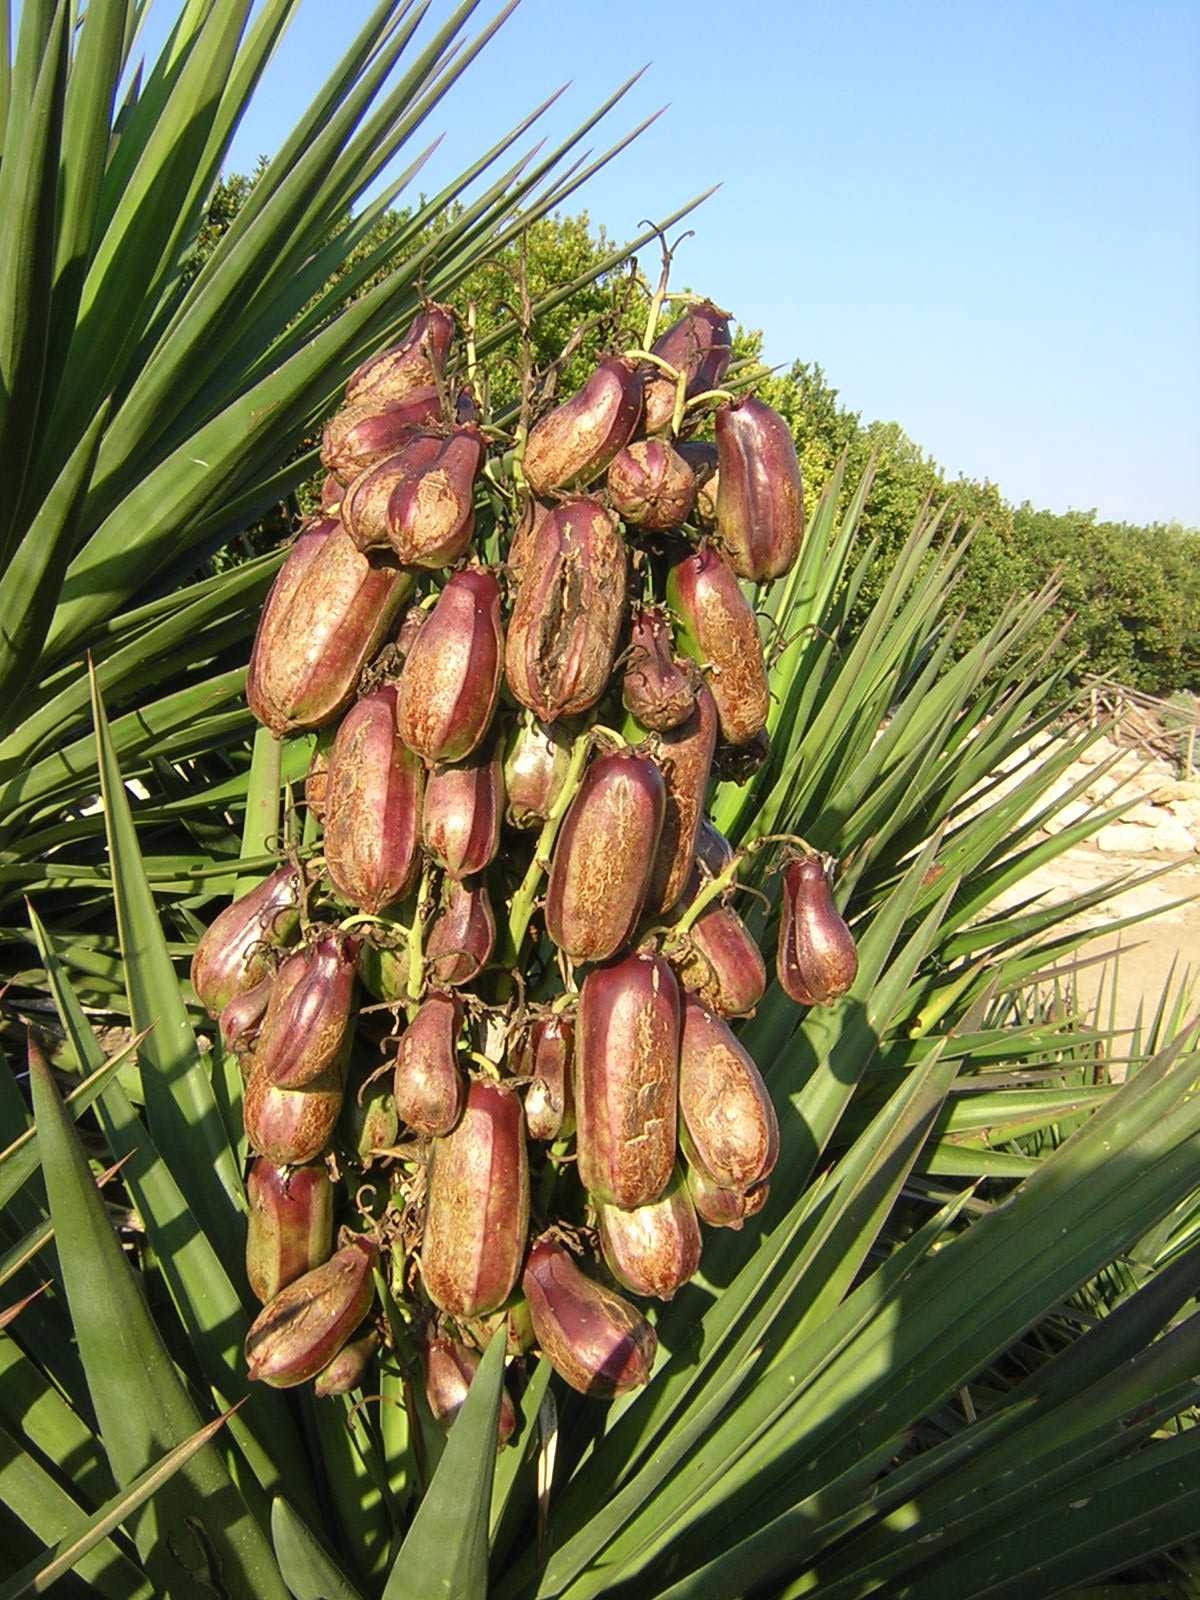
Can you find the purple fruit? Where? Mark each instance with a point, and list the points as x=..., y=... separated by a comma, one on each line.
x=604, y=856
x=626, y=1080
x=461, y=937
x=328, y=611
x=308, y=1016
x=235, y=951
x=815, y=958
x=652, y=1249
x=573, y=444
x=727, y=1124
x=566, y=620
x=477, y=1212
x=290, y=1225
x=718, y=629
x=464, y=804
x=451, y=676
x=699, y=346
x=760, y=499
x=428, y=1085
x=591, y=1335
x=299, y=1332
x=373, y=791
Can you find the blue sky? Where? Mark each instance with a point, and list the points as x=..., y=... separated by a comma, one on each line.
x=981, y=219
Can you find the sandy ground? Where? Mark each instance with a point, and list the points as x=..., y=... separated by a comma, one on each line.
x=1139, y=962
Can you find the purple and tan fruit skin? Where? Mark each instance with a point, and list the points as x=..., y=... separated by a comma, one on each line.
x=815, y=959
x=234, y=953
x=652, y=1249
x=461, y=937
x=346, y=1370
x=720, y=962
x=718, y=629
x=701, y=457
x=241, y=1017
x=727, y=1124
x=591, y=1335
x=626, y=1080
x=291, y=1126
x=477, y=1211
x=428, y=1086
x=328, y=611
x=604, y=856
x=684, y=755
x=364, y=504
x=451, y=675
x=566, y=619
x=698, y=345
x=464, y=805
x=431, y=513
x=412, y=363
x=299, y=1332
x=658, y=688
x=576, y=441
x=545, y=1058
x=373, y=791
x=651, y=485
x=535, y=769
x=448, y=1367
x=308, y=1015
x=362, y=433
x=760, y=498
x=290, y=1224
x=723, y=1208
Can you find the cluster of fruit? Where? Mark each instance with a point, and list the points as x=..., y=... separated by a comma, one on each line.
x=505, y=978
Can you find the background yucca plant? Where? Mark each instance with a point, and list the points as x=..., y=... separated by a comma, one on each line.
x=956, y=1352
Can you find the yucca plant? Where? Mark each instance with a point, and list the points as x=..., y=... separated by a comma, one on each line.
x=954, y=1353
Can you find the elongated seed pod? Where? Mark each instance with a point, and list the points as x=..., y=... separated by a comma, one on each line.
x=701, y=457
x=652, y=1249
x=235, y=952
x=308, y=1015
x=727, y=1124
x=448, y=1367
x=477, y=1214
x=291, y=1126
x=301, y=1330
x=289, y=1227
x=566, y=620
x=417, y=360
x=546, y=1057
x=364, y=503
x=464, y=805
x=362, y=433
x=576, y=441
x=328, y=611
x=626, y=1081
x=719, y=961
x=604, y=856
x=718, y=629
x=241, y=1017
x=760, y=498
x=535, y=768
x=428, y=1086
x=373, y=792
x=684, y=755
x=451, y=676
x=461, y=937
x=431, y=513
x=699, y=346
x=591, y=1335
x=815, y=958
